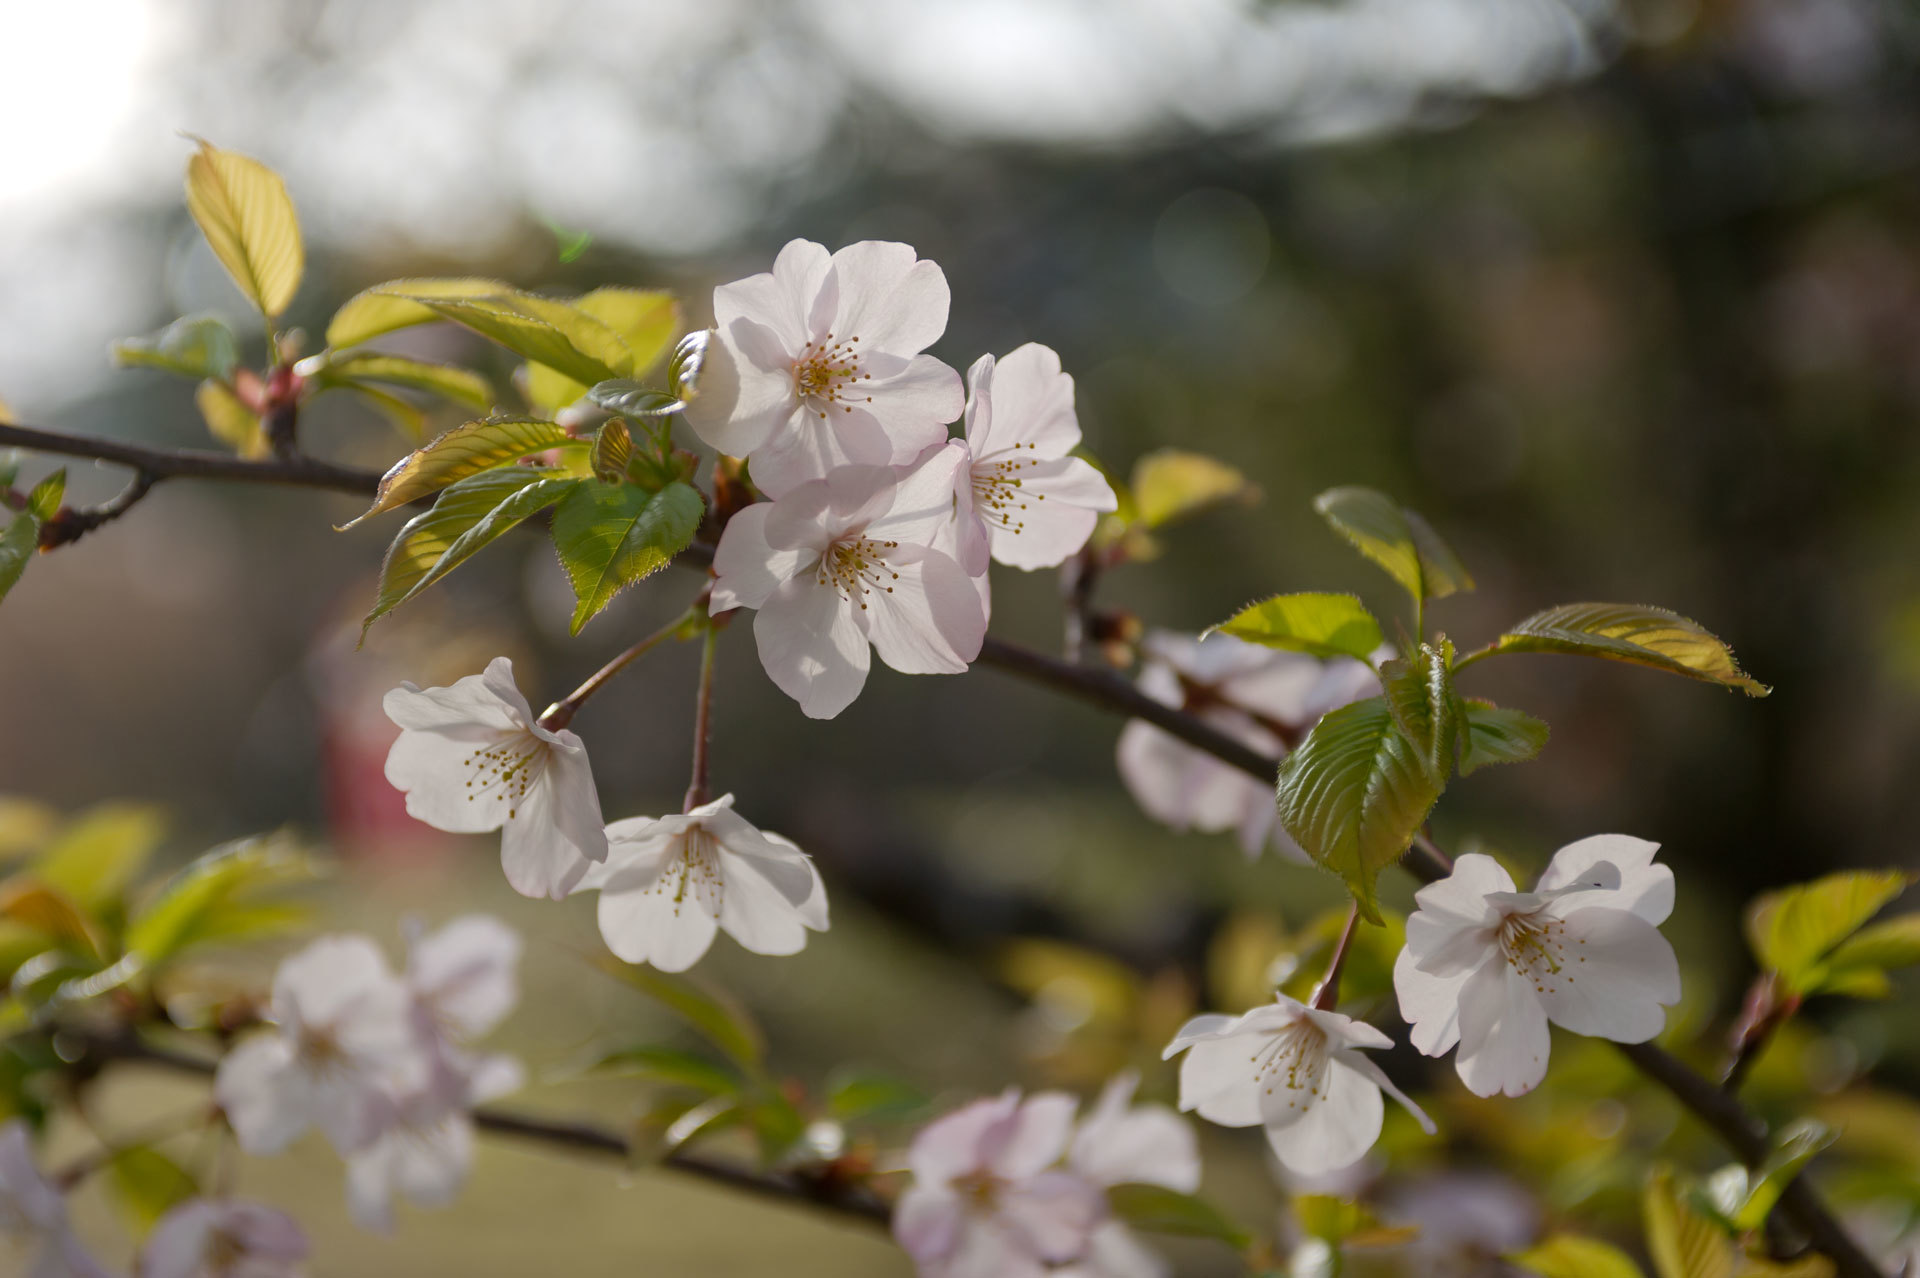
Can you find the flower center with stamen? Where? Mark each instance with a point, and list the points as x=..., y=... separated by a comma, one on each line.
x=1294, y=1058
x=224, y=1253
x=827, y=374
x=856, y=567
x=320, y=1049
x=1535, y=946
x=980, y=1190
x=694, y=872
x=998, y=493
x=506, y=768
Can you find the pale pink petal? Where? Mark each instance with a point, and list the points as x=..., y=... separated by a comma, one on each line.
x=914, y=404
x=1463, y=893
x=747, y=394
x=951, y=1145
x=657, y=924
x=747, y=570
x=927, y=1222
x=1038, y=1136
x=541, y=848
x=1615, y=972
x=1217, y=1082
x=1115, y=1252
x=813, y=645
x=1044, y=535
x=755, y=913
x=888, y=299
x=1337, y=1127
x=1053, y=1213
x=465, y=972
x=1355, y=1060
x=448, y=775
x=1503, y=1033
x=1645, y=888
x=1032, y=404
x=471, y=702
x=921, y=508
x=636, y=849
x=928, y=618
x=1430, y=1004
x=1122, y=1143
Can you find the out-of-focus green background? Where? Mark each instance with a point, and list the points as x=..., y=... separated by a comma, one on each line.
x=1625, y=297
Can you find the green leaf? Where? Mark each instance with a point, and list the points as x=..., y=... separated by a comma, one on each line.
x=1172, y=484
x=1571, y=1256
x=717, y=1018
x=683, y=370
x=216, y=898
x=1168, y=1211
x=543, y=330
x=1684, y=1243
x=1494, y=735
x=610, y=536
x=1354, y=793
x=612, y=450
x=777, y=1123
x=863, y=1096
x=671, y=1067
x=17, y=544
x=645, y=320
x=34, y=905
x=1793, y=1149
x=243, y=209
x=1419, y=693
x=468, y=516
x=147, y=1185
x=463, y=451
x=1894, y=943
x=407, y=418
x=1322, y=625
x=1395, y=538
x=1633, y=633
x=43, y=501
x=1331, y=1218
x=97, y=855
x=387, y=307
x=447, y=380
x=229, y=420
x=624, y=395
x=194, y=346
x=1791, y=930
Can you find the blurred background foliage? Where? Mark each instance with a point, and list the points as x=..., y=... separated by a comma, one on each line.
x=1624, y=297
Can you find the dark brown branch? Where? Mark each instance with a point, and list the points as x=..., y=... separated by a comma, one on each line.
x=821, y=1190
x=191, y=463
x=71, y=523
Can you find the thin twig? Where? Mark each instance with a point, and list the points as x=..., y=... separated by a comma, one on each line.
x=71, y=523
x=1326, y=996
x=702, y=722
x=192, y=463
x=560, y=713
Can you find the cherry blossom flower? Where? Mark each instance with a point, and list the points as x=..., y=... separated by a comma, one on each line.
x=33, y=1215
x=473, y=757
x=669, y=883
x=1023, y=499
x=462, y=982
x=817, y=364
x=1121, y=1143
x=1253, y=694
x=853, y=559
x=1486, y=967
x=1295, y=1070
x=344, y=1039
x=987, y=1199
x=219, y=1238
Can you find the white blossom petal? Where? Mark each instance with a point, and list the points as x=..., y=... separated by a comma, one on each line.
x=1122, y=1143
x=1616, y=974
x=747, y=569
x=1037, y=1138
x=1428, y=1003
x=928, y=620
x=1336, y=1129
x=813, y=646
x=1031, y=404
x=1503, y=1032
x=1645, y=888
x=465, y=974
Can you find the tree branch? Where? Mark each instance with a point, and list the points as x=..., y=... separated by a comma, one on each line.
x=192, y=463
x=797, y=1186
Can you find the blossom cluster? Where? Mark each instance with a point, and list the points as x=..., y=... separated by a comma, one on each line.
x=880, y=528
x=383, y=1064
x=1014, y=1188
x=198, y=1238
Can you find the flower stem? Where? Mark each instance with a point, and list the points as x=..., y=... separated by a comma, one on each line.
x=1326, y=995
x=560, y=713
x=702, y=722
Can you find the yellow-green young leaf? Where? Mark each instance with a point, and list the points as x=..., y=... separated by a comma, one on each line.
x=1571, y=1256
x=45, y=497
x=468, y=516
x=147, y=1185
x=387, y=307
x=17, y=543
x=194, y=346
x=1324, y=625
x=1493, y=735
x=407, y=418
x=243, y=209
x=1792, y=1150
x=1168, y=1211
x=715, y=1017
x=33, y=905
x=230, y=421
x=25, y=825
x=1683, y=1242
x=217, y=897
x=1331, y=1218
x=1397, y=539
x=1633, y=633
x=565, y=339
x=6, y=413
x=646, y=321
x=1894, y=943
x=100, y=852
x=612, y=535
x=856, y=1095
x=1419, y=692
x=1354, y=793
x=446, y=380
x=612, y=450
x=1171, y=484
x=1791, y=930
x=465, y=450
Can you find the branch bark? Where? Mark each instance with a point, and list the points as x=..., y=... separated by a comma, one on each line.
x=193, y=463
